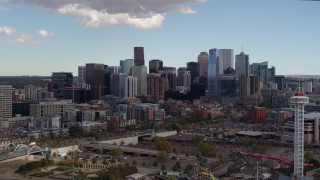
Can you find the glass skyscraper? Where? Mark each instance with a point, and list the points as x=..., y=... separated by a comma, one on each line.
x=212, y=72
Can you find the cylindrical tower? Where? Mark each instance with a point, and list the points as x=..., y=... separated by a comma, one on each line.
x=299, y=100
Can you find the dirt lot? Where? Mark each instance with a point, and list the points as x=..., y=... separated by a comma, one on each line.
x=9, y=166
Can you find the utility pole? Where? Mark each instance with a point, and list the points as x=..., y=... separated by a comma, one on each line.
x=73, y=159
x=257, y=170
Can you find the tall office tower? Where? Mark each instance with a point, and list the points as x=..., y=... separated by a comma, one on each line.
x=171, y=74
x=5, y=101
x=261, y=70
x=244, y=86
x=60, y=81
x=242, y=65
x=254, y=84
x=95, y=74
x=140, y=72
x=156, y=87
x=117, y=87
x=184, y=77
x=271, y=74
x=307, y=86
x=193, y=67
x=212, y=72
x=30, y=92
x=126, y=65
x=226, y=59
x=82, y=74
x=203, y=64
x=130, y=87
x=138, y=56
x=280, y=82
x=155, y=65
x=242, y=73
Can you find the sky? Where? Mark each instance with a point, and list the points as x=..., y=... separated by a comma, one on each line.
x=38, y=37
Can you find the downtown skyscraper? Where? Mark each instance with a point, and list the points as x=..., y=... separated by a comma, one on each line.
x=203, y=64
x=213, y=72
x=242, y=73
x=95, y=76
x=138, y=56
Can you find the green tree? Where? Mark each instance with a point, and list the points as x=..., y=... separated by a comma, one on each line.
x=308, y=156
x=94, y=160
x=250, y=142
x=207, y=150
x=117, y=152
x=197, y=140
x=162, y=156
x=177, y=127
x=162, y=144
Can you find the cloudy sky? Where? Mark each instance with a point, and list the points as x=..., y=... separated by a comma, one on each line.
x=38, y=37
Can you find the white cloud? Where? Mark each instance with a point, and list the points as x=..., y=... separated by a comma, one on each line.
x=27, y=39
x=143, y=14
x=6, y=31
x=44, y=33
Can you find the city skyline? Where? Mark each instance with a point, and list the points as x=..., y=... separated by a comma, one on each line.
x=61, y=36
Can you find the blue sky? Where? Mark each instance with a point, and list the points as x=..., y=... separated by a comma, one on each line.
x=38, y=37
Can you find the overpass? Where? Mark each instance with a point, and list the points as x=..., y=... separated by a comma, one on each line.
x=139, y=151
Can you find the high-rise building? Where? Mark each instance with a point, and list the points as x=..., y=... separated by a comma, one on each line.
x=261, y=70
x=244, y=86
x=138, y=56
x=203, y=64
x=254, y=85
x=226, y=59
x=184, y=77
x=60, y=81
x=117, y=87
x=130, y=87
x=193, y=67
x=171, y=74
x=30, y=91
x=126, y=65
x=95, y=74
x=271, y=74
x=156, y=87
x=82, y=74
x=140, y=72
x=155, y=65
x=212, y=72
x=5, y=101
x=280, y=82
x=242, y=65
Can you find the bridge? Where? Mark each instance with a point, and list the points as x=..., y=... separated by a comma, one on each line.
x=14, y=150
